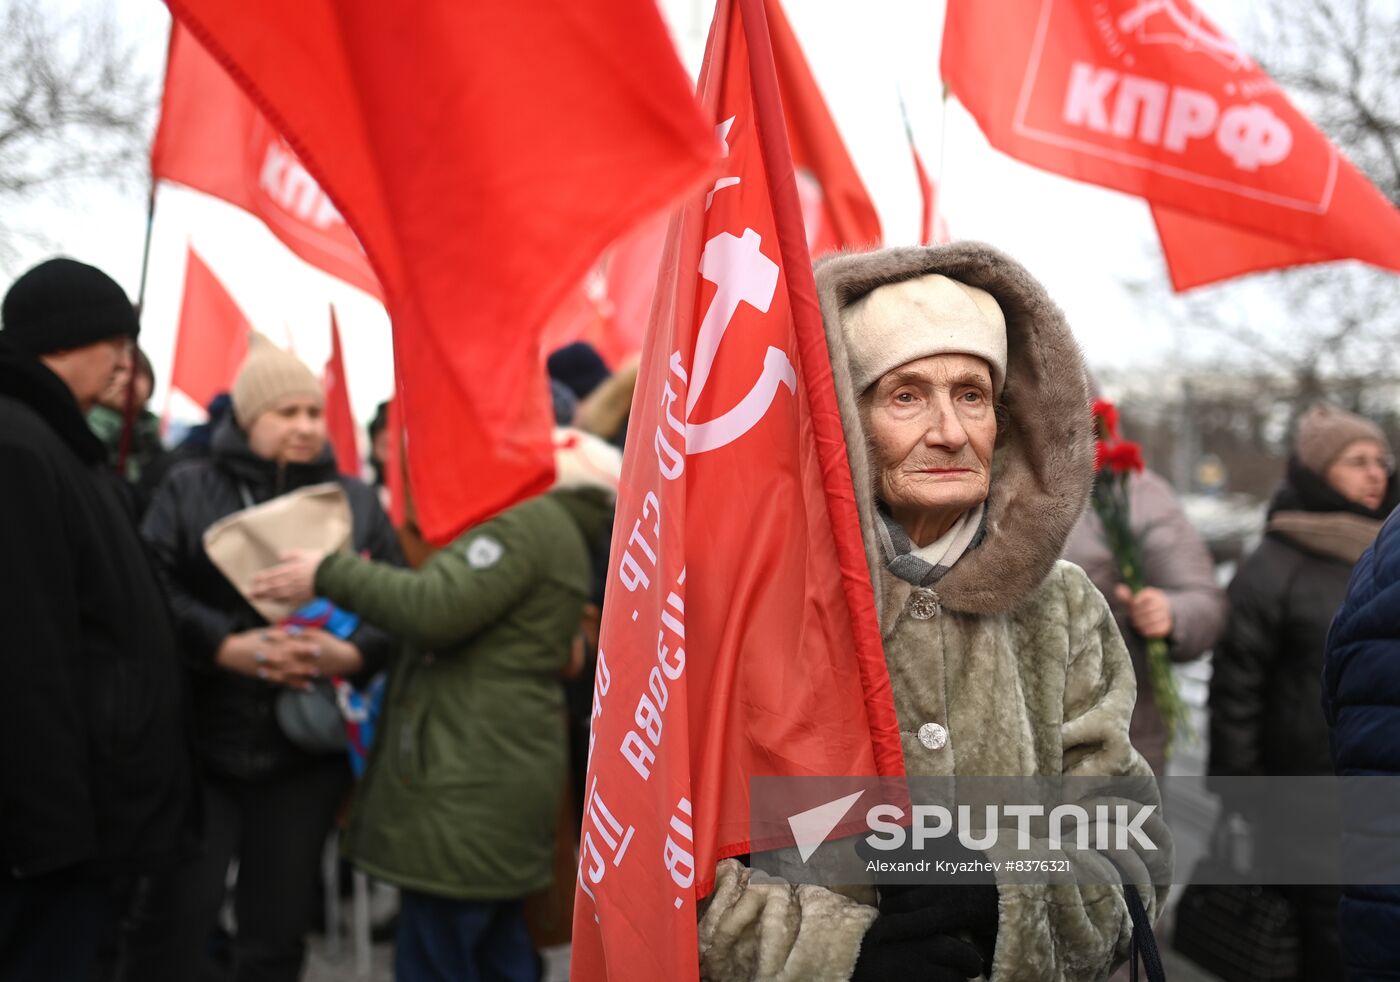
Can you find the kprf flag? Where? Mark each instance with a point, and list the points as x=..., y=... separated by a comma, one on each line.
x=213, y=138
x=211, y=340
x=739, y=636
x=484, y=153
x=340, y=420
x=612, y=307
x=1151, y=98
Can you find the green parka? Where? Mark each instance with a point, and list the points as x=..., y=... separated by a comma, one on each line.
x=461, y=795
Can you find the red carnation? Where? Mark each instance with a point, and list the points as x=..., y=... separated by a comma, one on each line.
x=1120, y=458
x=1106, y=418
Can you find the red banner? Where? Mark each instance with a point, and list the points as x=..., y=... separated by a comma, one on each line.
x=836, y=206
x=740, y=636
x=612, y=307
x=485, y=153
x=214, y=139
x=211, y=340
x=340, y=419
x=1151, y=98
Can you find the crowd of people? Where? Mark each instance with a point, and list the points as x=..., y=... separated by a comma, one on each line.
x=217, y=654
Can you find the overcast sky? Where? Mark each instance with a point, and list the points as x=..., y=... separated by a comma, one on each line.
x=1085, y=243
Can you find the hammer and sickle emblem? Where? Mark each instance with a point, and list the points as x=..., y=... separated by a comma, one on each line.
x=741, y=274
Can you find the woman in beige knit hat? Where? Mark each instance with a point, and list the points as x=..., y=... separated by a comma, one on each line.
x=1265, y=695
x=269, y=795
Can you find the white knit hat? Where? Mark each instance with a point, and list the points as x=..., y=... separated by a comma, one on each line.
x=897, y=323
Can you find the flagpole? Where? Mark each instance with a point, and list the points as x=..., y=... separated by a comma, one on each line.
x=938, y=187
x=813, y=353
x=129, y=405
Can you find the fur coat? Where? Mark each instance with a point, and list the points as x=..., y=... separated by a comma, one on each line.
x=1024, y=666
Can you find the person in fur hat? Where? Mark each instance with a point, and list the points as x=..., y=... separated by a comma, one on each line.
x=1266, y=713
x=965, y=409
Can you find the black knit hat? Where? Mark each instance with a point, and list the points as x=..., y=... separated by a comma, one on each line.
x=62, y=304
x=578, y=366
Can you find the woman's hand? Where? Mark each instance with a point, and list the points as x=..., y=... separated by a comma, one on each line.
x=293, y=580
x=335, y=656
x=273, y=655
x=1149, y=609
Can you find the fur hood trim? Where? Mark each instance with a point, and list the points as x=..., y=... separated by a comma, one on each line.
x=1043, y=467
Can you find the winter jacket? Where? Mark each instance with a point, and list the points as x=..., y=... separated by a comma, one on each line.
x=1266, y=686
x=1023, y=666
x=235, y=727
x=94, y=763
x=462, y=791
x=1177, y=563
x=1361, y=702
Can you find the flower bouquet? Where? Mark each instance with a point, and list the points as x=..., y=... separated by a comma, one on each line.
x=1114, y=460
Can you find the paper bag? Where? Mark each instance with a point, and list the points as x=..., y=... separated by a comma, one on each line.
x=251, y=540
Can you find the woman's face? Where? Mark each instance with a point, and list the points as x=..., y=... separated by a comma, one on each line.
x=1361, y=472
x=932, y=426
x=293, y=431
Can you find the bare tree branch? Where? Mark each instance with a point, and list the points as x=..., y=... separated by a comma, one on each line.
x=73, y=105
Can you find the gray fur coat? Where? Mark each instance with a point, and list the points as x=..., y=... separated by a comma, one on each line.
x=1024, y=666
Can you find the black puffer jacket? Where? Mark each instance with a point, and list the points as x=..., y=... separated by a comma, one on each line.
x=1266, y=688
x=94, y=761
x=235, y=727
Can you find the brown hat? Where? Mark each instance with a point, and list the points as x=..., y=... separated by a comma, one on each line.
x=268, y=376
x=1325, y=431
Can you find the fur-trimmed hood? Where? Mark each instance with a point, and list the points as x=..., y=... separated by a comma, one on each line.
x=1042, y=470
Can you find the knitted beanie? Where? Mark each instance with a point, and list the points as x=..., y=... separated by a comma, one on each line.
x=62, y=304
x=901, y=322
x=1325, y=431
x=268, y=376
x=578, y=366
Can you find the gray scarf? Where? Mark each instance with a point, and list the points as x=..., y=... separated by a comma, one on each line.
x=923, y=567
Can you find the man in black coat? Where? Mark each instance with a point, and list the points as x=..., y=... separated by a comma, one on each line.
x=94, y=771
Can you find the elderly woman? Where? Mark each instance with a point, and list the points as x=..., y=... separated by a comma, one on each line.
x=268, y=803
x=965, y=411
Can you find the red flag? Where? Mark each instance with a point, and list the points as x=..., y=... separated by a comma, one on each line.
x=485, y=153
x=213, y=138
x=928, y=233
x=740, y=637
x=1149, y=97
x=612, y=307
x=340, y=421
x=838, y=209
x=212, y=338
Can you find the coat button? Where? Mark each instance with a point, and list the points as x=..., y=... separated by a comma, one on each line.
x=933, y=736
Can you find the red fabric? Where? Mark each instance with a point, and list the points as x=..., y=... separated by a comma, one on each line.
x=1200, y=251
x=929, y=193
x=740, y=635
x=340, y=421
x=212, y=338
x=840, y=211
x=485, y=153
x=1150, y=98
x=213, y=138
x=611, y=308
